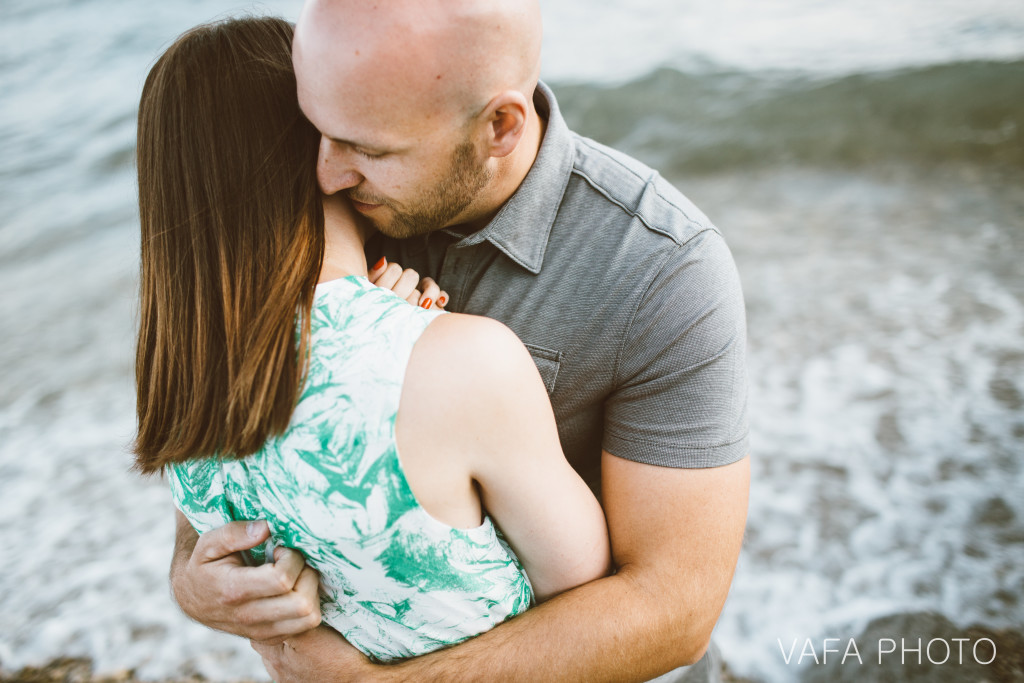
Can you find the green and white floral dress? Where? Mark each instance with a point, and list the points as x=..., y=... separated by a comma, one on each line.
x=394, y=581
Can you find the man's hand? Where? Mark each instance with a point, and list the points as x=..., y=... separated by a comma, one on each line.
x=213, y=585
x=407, y=284
x=317, y=655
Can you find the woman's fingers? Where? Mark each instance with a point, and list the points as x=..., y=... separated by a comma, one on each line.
x=433, y=296
x=389, y=277
x=374, y=273
x=407, y=286
x=401, y=282
x=431, y=293
x=406, y=283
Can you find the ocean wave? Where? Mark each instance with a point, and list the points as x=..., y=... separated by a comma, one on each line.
x=686, y=122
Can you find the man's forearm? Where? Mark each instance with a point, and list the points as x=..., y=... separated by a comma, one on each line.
x=185, y=539
x=655, y=614
x=595, y=632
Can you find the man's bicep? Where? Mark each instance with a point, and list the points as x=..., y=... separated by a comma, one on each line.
x=185, y=538
x=677, y=532
x=680, y=396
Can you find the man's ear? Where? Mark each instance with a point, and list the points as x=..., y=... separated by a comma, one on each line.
x=505, y=116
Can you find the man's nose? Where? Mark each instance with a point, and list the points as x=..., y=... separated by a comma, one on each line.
x=334, y=171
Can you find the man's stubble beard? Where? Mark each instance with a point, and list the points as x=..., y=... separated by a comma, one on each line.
x=443, y=202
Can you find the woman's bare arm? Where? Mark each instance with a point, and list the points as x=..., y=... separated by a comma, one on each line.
x=474, y=408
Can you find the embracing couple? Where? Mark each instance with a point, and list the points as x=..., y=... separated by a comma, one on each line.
x=370, y=487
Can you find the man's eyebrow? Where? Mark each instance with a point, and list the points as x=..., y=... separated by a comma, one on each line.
x=361, y=145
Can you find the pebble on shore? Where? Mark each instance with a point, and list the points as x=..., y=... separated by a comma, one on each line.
x=79, y=670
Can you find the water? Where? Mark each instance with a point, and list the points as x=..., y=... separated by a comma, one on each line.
x=886, y=317
x=865, y=161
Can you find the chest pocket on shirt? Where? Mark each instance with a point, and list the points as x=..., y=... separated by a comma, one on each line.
x=547, y=362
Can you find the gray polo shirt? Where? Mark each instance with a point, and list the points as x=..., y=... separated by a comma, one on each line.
x=625, y=294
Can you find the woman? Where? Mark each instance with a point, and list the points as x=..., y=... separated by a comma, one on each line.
x=276, y=382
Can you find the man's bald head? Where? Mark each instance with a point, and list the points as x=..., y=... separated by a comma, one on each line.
x=426, y=107
x=445, y=56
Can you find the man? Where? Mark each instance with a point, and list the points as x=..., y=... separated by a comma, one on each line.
x=436, y=128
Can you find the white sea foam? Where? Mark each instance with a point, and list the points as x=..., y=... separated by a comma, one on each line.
x=88, y=547
x=886, y=416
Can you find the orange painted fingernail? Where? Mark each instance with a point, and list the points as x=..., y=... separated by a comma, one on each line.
x=427, y=302
x=380, y=264
x=442, y=301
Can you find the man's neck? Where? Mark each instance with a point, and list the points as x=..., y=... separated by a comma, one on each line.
x=509, y=176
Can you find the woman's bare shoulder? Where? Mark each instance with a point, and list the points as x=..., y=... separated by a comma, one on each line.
x=459, y=352
x=458, y=398
x=458, y=339
x=467, y=368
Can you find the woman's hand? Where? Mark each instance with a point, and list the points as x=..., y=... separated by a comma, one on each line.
x=407, y=284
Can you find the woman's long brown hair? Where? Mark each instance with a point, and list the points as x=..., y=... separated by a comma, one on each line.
x=232, y=243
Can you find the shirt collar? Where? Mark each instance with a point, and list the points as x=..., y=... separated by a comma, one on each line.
x=521, y=228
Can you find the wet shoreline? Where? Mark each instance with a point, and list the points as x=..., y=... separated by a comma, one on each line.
x=871, y=655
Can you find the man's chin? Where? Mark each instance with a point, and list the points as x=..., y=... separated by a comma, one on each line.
x=396, y=231
x=399, y=227
x=388, y=226
x=381, y=217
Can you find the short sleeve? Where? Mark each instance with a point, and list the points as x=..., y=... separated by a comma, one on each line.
x=680, y=397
